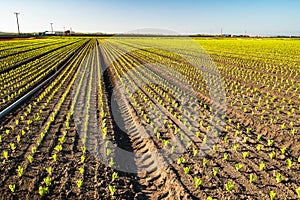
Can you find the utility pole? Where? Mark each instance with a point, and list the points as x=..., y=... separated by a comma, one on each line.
x=16, y=13
x=221, y=31
x=51, y=27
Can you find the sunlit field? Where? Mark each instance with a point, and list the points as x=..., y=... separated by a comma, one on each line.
x=150, y=117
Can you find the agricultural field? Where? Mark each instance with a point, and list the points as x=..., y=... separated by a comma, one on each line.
x=150, y=118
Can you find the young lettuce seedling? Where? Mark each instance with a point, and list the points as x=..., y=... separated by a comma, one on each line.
x=259, y=137
x=229, y=186
x=195, y=151
x=33, y=149
x=114, y=176
x=43, y=190
x=283, y=150
x=252, y=178
x=272, y=154
x=5, y=154
x=83, y=148
x=225, y=139
x=30, y=158
x=20, y=171
x=226, y=156
x=245, y=154
x=298, y=191
x=238, y=166
x=111, y=162
x=12, y=146
x=205, y=139
x=210, y=198
x=158, y=135
x=235, y=146
x=82, y=159
x=58, y=148
x=248, y=129
x=79, y=183
x=62, y=140
x=260, y=147
x=186, y=170
x=290, y=163
x=18, y=138
x=205, y=161
x=270, y=142
x=181, y=136
x=215, y=147
x=215, y=171
x=262, y=166
x=278, y=178
x=81, y=170
x=166, y=142
x=189, y=143
x=197, y=181
x=54, y=156
x=47, y=181
x=112, y=190
x=272, y=195
x=12, y=188
x=49, y=170
x=181, y=160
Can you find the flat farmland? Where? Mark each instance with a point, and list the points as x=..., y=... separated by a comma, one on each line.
x=150, y=118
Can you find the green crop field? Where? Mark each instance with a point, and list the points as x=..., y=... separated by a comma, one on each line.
x=150, y=117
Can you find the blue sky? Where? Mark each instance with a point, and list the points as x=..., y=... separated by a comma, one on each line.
x=265, y=17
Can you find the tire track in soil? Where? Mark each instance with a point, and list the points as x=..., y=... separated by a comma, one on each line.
x=268, y=176
x=188, y=184
x=254, y=168
x=155, y=182
x=124, y=185
x=244, y=179
x=187, y=179
x=96, y=176
x=118, y=136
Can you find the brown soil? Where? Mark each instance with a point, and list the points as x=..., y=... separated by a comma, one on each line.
x=167, y=182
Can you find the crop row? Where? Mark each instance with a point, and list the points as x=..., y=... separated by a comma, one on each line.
x=17, y=81
x=12, y=60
